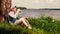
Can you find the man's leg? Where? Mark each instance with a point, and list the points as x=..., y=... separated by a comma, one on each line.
x=24, y=22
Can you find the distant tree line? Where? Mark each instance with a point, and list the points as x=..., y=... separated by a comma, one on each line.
x=21, y=7
x=51, y=9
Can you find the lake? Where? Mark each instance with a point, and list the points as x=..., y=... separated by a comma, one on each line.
x=36, y=13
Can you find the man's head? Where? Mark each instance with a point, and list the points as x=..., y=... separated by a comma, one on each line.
x=14, y=9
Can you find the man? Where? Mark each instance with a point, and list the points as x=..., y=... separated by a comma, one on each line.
x=13, y=17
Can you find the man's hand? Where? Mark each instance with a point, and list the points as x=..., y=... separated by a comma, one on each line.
x=18, y=10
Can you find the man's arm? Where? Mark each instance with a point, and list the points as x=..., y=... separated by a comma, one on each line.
x=18, y=11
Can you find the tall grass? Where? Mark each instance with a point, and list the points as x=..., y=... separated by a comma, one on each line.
x=42, y=25
x=46, y=23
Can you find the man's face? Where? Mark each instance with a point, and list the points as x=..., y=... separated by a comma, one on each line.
x=14, y=9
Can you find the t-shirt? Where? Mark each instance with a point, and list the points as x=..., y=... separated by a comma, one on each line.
x=12, y=16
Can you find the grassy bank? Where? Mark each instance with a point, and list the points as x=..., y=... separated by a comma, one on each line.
x=42, y=25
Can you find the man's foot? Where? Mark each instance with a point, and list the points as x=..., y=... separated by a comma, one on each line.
x=29, y=27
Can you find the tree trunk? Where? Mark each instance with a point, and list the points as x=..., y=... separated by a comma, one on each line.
x=4, y=9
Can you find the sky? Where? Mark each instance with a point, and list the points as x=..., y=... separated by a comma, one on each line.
x=36, y=3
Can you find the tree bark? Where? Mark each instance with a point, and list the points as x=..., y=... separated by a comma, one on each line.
x=4, y=9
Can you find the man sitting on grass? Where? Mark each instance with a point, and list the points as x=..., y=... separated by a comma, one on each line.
x=13, y=17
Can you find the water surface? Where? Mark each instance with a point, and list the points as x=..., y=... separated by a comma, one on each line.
x=37, y=13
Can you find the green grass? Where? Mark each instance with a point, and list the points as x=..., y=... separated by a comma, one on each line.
x=42, y=25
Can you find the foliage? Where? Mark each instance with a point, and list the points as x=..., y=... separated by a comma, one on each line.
x=42, y=25
x=21, y=7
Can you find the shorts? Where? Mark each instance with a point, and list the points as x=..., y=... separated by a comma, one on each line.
x=18, y=21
